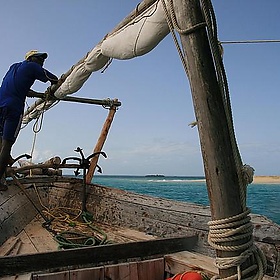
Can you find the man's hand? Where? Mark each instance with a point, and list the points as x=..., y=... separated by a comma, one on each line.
x=49, y=93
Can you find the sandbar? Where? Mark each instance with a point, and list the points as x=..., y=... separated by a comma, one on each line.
x=266, y=180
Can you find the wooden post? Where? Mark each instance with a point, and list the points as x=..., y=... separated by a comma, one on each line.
x=217, y=151
x=100, y=142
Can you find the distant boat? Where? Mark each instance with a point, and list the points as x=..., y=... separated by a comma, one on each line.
x=155, y=175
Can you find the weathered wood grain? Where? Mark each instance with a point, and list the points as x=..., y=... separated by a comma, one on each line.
x=93, y=256
x=17, y=211
x=41, y=239
x=141, y=270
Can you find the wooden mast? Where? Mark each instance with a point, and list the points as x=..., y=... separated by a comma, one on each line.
x=100, y=142
x=217, y=151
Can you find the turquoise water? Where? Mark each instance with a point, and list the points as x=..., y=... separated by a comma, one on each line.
x=261, y=198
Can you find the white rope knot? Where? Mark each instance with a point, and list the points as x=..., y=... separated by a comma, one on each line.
x=248, y=174
x=236, y=228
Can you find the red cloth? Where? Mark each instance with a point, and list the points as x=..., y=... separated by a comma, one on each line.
x=190, y=275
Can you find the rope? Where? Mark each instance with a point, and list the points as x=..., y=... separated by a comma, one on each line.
x=69, y=230
x=36, y=130
x=72, y=233
x=37, y=127
x=210, y=22
x=250, y=42
x=106, y=66
x=65, y=241
x=172, y=22
x=236, y=228
x=209, y=16
x=110, y=104
x=175, y=23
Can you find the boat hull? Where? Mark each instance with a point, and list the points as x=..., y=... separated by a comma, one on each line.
x=125, y=216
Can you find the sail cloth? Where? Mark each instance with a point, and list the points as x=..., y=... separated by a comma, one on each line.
x=138, y=36
x=93, y=62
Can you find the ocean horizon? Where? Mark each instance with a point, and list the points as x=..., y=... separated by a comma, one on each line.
x=262, y=198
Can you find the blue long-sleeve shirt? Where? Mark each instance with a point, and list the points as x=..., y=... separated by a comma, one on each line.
x=18, y=81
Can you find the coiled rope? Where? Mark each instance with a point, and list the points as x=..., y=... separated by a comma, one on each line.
x=73, y=228
x=75, y=234
x=237, y=227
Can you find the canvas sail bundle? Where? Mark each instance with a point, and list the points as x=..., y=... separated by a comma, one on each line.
x=137, y=37
x=94, y=61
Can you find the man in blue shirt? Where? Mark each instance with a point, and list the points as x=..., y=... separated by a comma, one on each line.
x=13, y=91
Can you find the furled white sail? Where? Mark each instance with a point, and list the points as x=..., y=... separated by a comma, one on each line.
x=94, y=61
x=139, y=35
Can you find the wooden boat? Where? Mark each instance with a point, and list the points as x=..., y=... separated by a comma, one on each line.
x=166, y=235
x=152, y=238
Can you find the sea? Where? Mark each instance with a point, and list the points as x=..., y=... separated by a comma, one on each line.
x=262, y=199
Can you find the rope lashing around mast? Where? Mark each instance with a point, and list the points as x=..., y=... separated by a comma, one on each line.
x=232, y=228
x=235, y=228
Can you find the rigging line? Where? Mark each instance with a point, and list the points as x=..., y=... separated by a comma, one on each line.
x=36, y=129
x=250, y=42
x=33, y=143
x=210, y=18
x=173, y=34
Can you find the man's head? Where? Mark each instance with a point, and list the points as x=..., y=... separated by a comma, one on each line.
x=36, y=56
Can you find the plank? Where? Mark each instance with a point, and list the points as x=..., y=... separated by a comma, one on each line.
x=17, y=211
x=122, y=235
x=151, y=270
x=16, y=222
x=93, y=256
x=81, y=274
x=6, y=247
x=42, y=239
x=18, y=277
x=134, y=270
x=33, y=239
x=27, y=246
x=91, y=273
x=142, y=270
x=185, y=261
x=53, y=276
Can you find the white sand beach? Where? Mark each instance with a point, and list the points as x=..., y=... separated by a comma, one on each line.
x=266, y=180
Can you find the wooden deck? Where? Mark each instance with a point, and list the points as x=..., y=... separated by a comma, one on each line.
x=34, y=238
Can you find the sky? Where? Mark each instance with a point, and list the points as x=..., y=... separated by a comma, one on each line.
x=150, y=132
